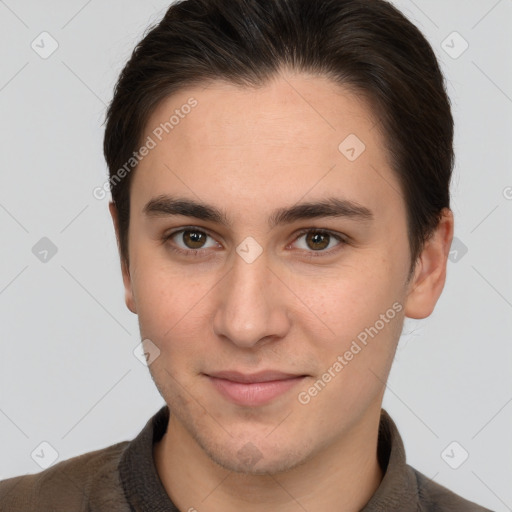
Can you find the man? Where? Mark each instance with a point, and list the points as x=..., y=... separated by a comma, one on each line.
x=280, y=177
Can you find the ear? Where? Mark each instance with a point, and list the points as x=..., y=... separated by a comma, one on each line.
x=127, y=280
x=430, y=271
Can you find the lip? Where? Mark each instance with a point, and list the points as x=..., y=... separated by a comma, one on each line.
x=253, y=389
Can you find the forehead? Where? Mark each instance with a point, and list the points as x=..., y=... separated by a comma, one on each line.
x=297, y=135
x=306, y=111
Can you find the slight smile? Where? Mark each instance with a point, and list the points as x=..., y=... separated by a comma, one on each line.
x=256, y=389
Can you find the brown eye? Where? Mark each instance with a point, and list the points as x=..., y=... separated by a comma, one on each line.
x=194, y=239
x=317, y=241
x=190, y=241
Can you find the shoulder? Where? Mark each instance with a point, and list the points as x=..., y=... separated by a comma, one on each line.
x=91, y=478
x=434, y=497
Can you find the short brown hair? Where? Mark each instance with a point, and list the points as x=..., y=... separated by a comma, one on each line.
x=367, y=45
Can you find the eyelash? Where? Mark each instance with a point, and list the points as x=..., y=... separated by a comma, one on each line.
x=312, y=254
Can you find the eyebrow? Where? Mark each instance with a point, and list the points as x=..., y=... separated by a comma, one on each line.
x=165, y=205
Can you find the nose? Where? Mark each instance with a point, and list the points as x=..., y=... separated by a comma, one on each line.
x=251, y=305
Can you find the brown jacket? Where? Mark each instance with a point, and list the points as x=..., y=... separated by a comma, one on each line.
x=123, y=478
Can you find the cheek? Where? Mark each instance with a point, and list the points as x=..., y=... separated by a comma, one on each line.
x=168, y=313
x=172, y=306
x=365, y=313
x=355, y=297
x=166, y=301
x=158, y=290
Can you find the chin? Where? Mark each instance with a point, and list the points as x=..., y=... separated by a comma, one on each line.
x=249, y=459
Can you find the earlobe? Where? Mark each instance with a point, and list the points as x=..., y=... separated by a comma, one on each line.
x=430, y=271
x=128, y=291
x=125, y=271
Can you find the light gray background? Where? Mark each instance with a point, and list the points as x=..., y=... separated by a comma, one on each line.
x=68, y=375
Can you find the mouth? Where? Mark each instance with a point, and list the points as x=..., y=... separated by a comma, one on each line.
x=252, y=390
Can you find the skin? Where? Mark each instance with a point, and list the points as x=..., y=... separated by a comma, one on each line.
x=249, y=151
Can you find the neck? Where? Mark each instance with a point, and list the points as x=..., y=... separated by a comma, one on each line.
x=343, y=476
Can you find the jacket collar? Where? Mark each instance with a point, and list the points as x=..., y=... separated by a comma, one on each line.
x=398, y=490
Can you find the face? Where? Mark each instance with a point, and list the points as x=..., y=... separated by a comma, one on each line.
x=309, y=300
